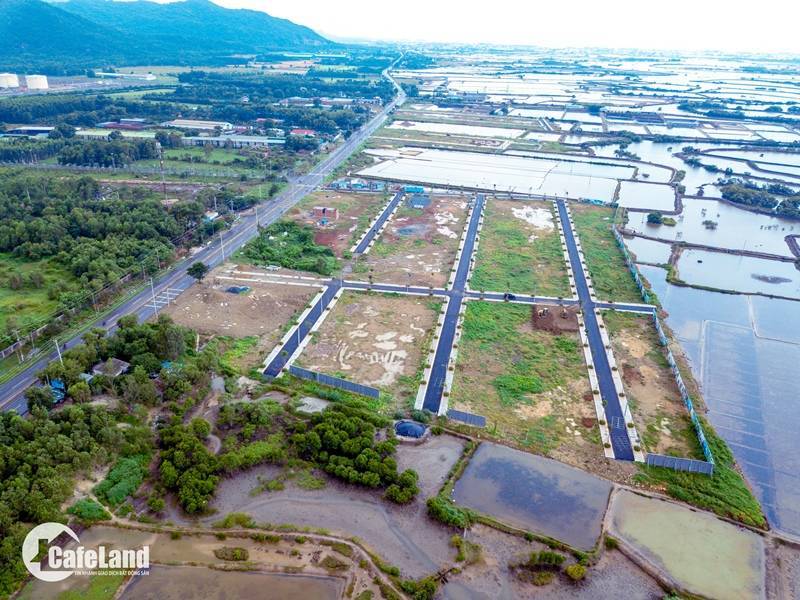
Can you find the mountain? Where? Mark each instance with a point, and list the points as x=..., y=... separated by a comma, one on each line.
x=64, y=36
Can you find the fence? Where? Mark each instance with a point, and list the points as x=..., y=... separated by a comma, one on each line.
x=632, y=267
x=134, y=170
x=687, y=401
x=336, y=382
x=659, y=460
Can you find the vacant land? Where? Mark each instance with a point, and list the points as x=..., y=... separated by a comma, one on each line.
x=531, y=385
x=259, y=316
x=24, y=291
x=520, y=250
x=346, y=217
x=658, y=411
x=419, y=245
x=610, y=275
x=377, y=340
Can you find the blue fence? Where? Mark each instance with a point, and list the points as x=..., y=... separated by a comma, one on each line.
x=337, y=382
x=680, y=464
x=468, y=418
x=632, y=267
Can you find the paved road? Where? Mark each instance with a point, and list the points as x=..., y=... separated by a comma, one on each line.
x=384, y=216
x=12, y=391
x=441, y=359
x=614, y=417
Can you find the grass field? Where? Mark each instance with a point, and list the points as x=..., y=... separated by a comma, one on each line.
x=531, y=385
x=27, y=303
x=222, y=155
x=137, y=94
x=514, y=255
x=610, y=275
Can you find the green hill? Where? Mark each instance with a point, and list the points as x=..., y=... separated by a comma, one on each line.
x=66, y=36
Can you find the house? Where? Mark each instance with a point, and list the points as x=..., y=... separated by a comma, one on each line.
x=111, y=367
x=303, y=132
x=199, y=125
x=232, y=141
x=325, y=213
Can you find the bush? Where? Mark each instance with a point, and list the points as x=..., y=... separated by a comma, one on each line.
x=235, y=519
x=331, y=563
x=89, y=511
x=231, y=553
x=124, y=478
x=611, y=543
x=546, y=560
x=444, y=511
x=424, y=589
x=575, y=572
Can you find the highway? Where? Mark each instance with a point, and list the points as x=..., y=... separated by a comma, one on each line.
x=620, y=441
x=176, y=280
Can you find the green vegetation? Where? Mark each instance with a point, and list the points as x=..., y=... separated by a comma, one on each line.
x=725, y=493
x=123, y=480
x=101, y=587
x=291, y=245
x=576, y=572
x=508, y=261
x=468, y=552
x=422, y=589
x=232, y=553
x=610, y=275
x=88, y=511
x=41, y=456
x=445, y=511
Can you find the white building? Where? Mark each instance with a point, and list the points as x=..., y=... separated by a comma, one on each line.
x=9, y=80
x=36, y=82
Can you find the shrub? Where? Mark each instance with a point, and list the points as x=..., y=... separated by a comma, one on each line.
x=424, y=589
x=575, y=572
x=89, y=511
x=611, y=543
x=331, y=563
x=444, y=511
x=124, y=478
x=543, y=577
x=231, y=553
x=546, y=560
x=235, y=519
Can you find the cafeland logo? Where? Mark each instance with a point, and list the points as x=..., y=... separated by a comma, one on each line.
x=63, y=562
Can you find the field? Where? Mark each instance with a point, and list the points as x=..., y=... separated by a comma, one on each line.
x=355, y=211
x=418, y=246
x=257, y=319
x=610, y=275
x=530, y=384
x=520, y=251
x=375, y=339
x=658, y=411
x=28, y=303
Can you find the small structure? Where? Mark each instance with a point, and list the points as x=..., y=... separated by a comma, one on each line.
x=111, y=367
x=420, y=201
x=8, y=80
x=303, y=132
x=199, y=125
x=414, y=189
x=30, y=130
x=232, y=141
x=325, y=214
x=410, y=431
x=125, y=124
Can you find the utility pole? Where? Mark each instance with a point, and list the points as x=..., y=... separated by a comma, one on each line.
x=153, y=294
x=58, y=351
x=222, y=245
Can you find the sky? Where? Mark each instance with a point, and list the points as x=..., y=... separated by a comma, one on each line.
x=767, y=26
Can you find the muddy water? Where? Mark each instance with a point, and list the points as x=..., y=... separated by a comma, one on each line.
x=739, y=273
x=744, y=352
x=706, y=555
x=177, y=583
x=534, y=493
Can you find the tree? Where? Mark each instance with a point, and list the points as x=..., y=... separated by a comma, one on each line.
x=80, y=392
x=655, y=218
x=198, y=270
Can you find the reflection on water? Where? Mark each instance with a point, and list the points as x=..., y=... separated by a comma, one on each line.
x=739, y=273
x=649, y=251
x=534, y=493
x=744, y=352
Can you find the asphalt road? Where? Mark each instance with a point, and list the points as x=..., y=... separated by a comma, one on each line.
x=614, y=417
x=441, y=359
x=176, y=280
x=384, y=216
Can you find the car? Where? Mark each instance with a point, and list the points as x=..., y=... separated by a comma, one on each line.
x=509, y=296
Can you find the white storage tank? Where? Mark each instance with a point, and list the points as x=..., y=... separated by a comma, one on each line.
x=9, y=80
x=36, y=82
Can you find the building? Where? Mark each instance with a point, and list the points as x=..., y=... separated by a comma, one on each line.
x=111, y=367
x=143, y=76
x=30, y=130
x=36, y=82
x=233, y=141
x=199, y=125
x=8, y=80
x=325, y=213
x=303, y=132
x=125, y=124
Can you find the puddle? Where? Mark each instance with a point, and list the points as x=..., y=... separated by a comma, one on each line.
x=416, y=229
x=534, y=493
x=708, y=556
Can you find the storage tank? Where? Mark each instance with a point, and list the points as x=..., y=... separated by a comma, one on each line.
x=36, y=82
x=8, y=80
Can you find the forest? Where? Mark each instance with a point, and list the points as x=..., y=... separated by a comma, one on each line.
x=775, y=198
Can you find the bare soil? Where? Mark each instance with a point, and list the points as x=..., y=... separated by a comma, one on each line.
x=340, y=230
x=418, y=246
x=263, y=311
x=658, y=411
x=374, y=339
x=555, y=319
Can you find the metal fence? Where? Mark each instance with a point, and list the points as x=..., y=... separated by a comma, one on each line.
x=468, y=418
x=337, y=382
x=680, y=464
x=632, y=267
